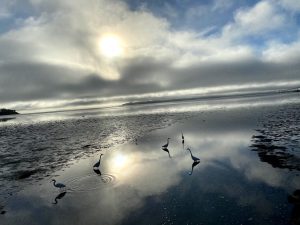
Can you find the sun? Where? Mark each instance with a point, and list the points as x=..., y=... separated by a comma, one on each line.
x=111, y=46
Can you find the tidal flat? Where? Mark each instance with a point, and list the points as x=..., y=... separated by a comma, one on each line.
x=247, y=173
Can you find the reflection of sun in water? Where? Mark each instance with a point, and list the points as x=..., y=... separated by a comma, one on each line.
x=111, y=46
x=120, y=161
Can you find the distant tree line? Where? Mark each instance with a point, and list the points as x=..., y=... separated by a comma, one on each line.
x=7, y=112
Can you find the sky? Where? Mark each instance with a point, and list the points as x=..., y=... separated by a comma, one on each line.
x=67, y=54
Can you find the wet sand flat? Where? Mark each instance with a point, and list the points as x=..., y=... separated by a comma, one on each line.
x=248, y=171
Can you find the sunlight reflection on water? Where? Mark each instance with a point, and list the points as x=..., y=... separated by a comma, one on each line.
x=137, y=181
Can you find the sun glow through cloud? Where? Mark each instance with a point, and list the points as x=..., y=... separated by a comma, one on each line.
x=111, y=46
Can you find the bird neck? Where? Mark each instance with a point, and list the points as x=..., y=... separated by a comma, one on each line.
x=54, y=181
x=190, y=152
x=168, y=141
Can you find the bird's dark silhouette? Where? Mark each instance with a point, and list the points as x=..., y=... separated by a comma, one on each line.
x=97, y=171
x=59, y=196
x=166, y=150
x=193, y=157
x=97, y=164
x=58, y=185
x=195, y=163
x=166, y=145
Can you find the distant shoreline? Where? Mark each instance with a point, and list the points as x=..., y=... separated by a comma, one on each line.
x=175, y=100
x=211, y=97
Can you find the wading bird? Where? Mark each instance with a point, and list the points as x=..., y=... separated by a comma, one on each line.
x=58, y=185
x=166, y=145
x=97, y=164
x=193, y=157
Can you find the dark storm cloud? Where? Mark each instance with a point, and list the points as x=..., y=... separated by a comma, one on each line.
x=32, y=81
x=29, y=81
x=163, y=76
x=219, y=74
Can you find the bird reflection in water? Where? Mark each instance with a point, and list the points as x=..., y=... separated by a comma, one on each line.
x=195, y=163
x=182, y=138
x=295, y=200
x=97, y=171
x=167, y=150
x=59, y=196
x=2, y=211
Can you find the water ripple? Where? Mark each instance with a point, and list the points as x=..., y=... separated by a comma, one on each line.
x=91, y=182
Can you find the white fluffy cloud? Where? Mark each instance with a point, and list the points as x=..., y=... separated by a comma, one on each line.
x=283, y=53
x=257, y=20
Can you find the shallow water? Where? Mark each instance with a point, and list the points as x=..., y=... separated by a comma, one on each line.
x=248, y=170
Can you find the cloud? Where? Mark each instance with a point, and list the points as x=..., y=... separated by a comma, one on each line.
x=283, y=53
x=26, y=81
x=293, y=5
x=5, y=9
x=221, y=5
x=257, y=20
x=53, y=51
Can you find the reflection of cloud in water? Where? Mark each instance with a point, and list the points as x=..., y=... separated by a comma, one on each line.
x=229, y=174
x=149, y=173
x=228, y=146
